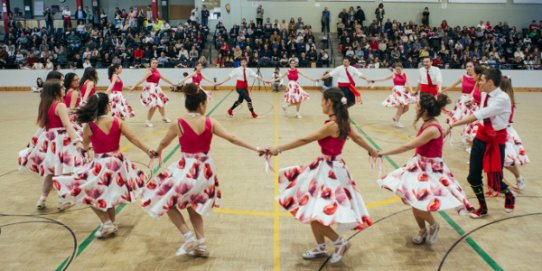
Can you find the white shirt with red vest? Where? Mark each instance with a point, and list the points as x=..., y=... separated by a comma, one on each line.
x=240, y=75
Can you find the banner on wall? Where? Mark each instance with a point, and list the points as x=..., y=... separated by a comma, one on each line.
x=479, y=1
x=527, y=1
x=413, y=1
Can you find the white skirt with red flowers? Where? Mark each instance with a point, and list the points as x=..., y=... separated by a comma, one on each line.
x=323, y=191
x=427, y=184
x=295, y=93
x=120, y=107
x=153, y=96
x=109, y=180
x=189, y=182
x=50, y=152
x=461, y=110
x=400, y=96
x=514, y=150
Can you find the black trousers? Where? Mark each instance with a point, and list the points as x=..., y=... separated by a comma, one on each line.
x=243, y=95
x=476, y=165
x=350, y=97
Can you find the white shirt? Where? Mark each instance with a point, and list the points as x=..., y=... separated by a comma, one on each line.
x=237, y=74
x=66, y=12
x=434, y=73
x=498, y=109
x=339, y=73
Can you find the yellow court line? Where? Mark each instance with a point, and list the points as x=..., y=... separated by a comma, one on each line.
x=386, y=131
x=276, y=211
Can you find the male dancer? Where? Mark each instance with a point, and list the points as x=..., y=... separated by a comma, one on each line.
x=241, y=73
x=430, y=78
x=489, y=144
x=345, y=75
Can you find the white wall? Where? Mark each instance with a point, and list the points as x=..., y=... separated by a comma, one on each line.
x=454, y=13
x=27, y=78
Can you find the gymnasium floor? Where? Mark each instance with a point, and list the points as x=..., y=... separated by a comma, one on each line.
x=250, y=231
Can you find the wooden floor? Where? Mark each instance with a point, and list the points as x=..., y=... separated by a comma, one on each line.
x=250, y=231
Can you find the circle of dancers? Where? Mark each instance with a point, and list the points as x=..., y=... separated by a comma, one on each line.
x=75, y=120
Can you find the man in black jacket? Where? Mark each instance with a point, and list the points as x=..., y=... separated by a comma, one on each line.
x=360, y=16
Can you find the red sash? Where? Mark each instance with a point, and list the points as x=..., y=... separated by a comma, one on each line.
x=242, y=84
x=492, y=156
x=431, y=89
x=351, y=86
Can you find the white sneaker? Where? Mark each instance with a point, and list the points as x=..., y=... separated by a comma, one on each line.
x=200, y=251
x=433, y=233
x=149, y=124
x=40, y=204
x=520, y=183
x=318, y=252
x=297, y=115
x=106, y=229
x=188, y=246
x=399, y=125
x=62, y=204
x=166, y=120
x=341, y=246
x=419, y=238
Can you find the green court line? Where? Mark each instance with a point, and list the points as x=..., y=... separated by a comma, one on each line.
x=91, y=237
x=481, y=252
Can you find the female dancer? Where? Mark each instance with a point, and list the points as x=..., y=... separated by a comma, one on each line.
x=153, y=97
x=400, y=97
x=88, y=83
x=197, y=77
x=425, y=182
x=468, y=82
x=294, y=95
x=190, y=183
x=120, y=107
x=469, y=131
x=53, y=151
x=514, y=150
x=110, y=178
x=72, y=98
x=323, y=193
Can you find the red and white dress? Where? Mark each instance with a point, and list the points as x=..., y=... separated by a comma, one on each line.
x=119, y=106
x=197, y=81
x=470, y=130
x=152, y=95
x=324, y=191
x=67, y=101
x=51, y=151
x=425, y=182
x=190, y=181
x=108, y=180
x=294, y=92
x=514, y=150
x=399, y=95
x=461, y=110
x=84, y=90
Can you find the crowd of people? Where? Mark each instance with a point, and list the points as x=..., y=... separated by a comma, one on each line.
x=130, y=39
x=383, y=42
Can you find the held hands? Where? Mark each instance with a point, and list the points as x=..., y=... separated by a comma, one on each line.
x=447, y=130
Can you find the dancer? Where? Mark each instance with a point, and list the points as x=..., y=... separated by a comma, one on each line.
x=53, y=150
x=489, y=145
x=469, y=131
x=346, y=81
x=197, y=77
x=110, y=178
x=295, y=94
x=430, y=78
x=400, y=96
x=72, y=98
x=241, y=74
x=190, y=183
x=152, y=96
x=468, y=82
x=119, y=106
x=88, y=83
x=323, y=193
x=514, y=150
x=425, y=182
